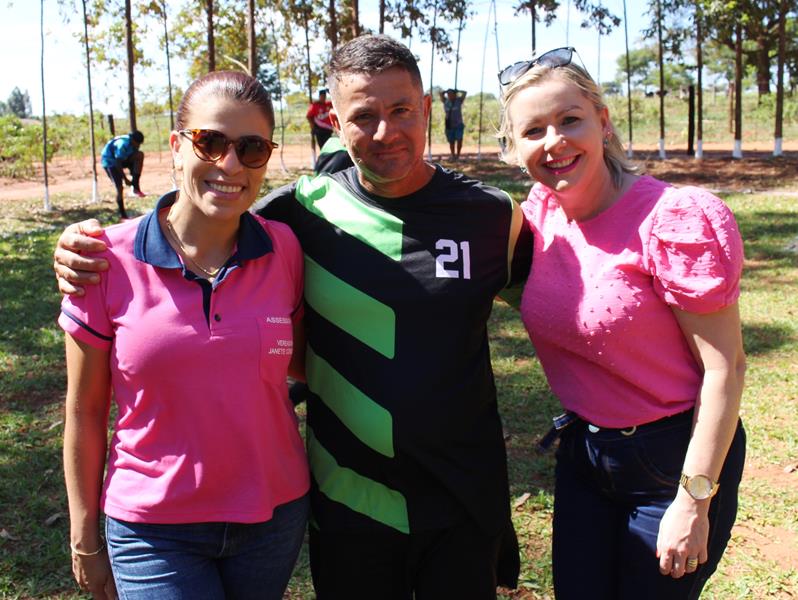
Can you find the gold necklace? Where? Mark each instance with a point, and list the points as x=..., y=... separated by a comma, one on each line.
x=209, y=272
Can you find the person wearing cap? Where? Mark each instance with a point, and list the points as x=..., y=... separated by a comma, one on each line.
x=122, y=152
x=453, y=109
x=318, y=116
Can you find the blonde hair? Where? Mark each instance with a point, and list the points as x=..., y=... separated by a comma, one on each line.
x=614, y=154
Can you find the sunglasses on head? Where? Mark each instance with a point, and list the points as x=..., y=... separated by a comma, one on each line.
x=559, y=57
x=252, y=151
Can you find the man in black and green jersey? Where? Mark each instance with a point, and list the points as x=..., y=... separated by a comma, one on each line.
x=403, y=260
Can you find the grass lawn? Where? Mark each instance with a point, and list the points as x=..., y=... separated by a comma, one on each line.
x=760, y=561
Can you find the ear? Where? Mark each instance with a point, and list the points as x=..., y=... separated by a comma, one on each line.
x=336, y=123
x=175, y=143
x=604, y=116
x=427, y=102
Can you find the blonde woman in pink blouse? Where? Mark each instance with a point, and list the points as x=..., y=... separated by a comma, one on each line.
x=631, y=305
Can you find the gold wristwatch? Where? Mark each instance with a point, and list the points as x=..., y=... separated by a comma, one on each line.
x=700, y=487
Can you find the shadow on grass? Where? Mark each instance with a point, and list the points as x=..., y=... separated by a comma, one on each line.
x=760, y=339
x=767, y=234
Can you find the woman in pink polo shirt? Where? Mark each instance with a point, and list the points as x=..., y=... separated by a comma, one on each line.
x=631, y=305
x=191, y=331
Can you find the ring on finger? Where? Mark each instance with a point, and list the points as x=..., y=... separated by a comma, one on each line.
x=692, y=562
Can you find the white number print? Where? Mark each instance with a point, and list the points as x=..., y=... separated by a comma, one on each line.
x=451, y=255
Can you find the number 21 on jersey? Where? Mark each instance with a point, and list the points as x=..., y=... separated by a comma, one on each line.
x=452, y=257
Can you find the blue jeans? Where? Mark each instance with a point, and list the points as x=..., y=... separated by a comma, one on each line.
x=213, y=561
x=611, y=492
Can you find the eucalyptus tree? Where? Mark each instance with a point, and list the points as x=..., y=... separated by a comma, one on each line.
x=47, y=205
x=209, y=29
x=596, y=15
x=726, y=17
x=252, y=47
x=91, y=105
x=539, y=10
x=758, y=21
x=112, y=29
x=429, y=20
x=131, y=62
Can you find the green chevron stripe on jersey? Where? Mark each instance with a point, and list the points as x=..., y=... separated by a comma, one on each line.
x=358, y=314
x=367, y=420
x=358, y=493
x=326, y=198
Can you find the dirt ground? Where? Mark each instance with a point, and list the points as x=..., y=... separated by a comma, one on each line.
x=757, y=171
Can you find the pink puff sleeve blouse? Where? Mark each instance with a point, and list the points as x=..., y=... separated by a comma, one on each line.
x=597, y=304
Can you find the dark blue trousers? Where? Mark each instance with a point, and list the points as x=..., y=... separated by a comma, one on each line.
x=611, y=492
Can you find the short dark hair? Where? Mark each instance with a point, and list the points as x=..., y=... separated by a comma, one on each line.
x=371, y=54
x=233, y=85
x=137, y=136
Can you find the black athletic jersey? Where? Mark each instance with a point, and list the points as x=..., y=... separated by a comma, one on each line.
x=402, y=424
x=333, y=157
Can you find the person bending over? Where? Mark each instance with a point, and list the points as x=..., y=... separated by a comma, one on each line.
x=120, y=153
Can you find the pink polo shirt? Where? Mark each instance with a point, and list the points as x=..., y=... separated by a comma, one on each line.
x=205, y=430
x=597, y=304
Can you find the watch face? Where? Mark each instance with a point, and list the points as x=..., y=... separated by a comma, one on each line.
x=700, y=487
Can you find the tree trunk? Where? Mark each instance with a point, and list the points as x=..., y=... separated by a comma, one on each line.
x=91, y=106
x=780, y=78
x=629, y=150
x=47, y=205
x=355, y=19
x=382, y=16
x=661, y=83
x=310, y=75
x=131, y=90
x=762, y=69
x=211, y=42
x=252, y=63
x=431, y=67
x=333, y=23
x=699, y=59
x=533, y=15
x=168, y=67
x=738, y=92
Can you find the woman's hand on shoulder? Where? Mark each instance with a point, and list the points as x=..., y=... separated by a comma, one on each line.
x=72, y=270
x=683, y=535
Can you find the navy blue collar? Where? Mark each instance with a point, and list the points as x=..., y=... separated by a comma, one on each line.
x=151, y=246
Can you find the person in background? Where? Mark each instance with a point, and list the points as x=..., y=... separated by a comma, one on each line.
x=454, y=125
x=410, y=492
x=192, y=332
x=631, y=304
x=120, y=153
x=318, y=116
